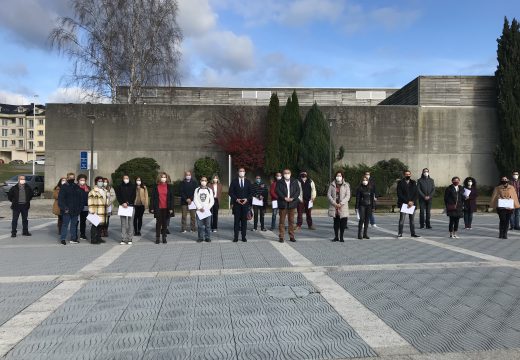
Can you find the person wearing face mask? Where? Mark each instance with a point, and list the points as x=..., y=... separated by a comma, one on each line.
x=406, y=194
x=426, y=190
x=125, y=194
x=274, y=197
x=111, y=199
x=365, y=204
x=259, y=192
x=70, y=201
x=204, y=200
x=216, y=186
x=507, y=193
x=161, y=206
x=308, y=194
x=454, y=202
x=82, y=182
x=97, y=204
x=55, y=207
x=20, y=197
x=372, y=185
x=339, y=196
x=470, y=201
x=288, y=191
x=515, y=215
x=188, y=187
x=141, y=203
x=240, y=192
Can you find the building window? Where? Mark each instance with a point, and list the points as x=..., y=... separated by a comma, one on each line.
x=4, y=132
x=40, y=132
x=31, y=134
x=4, y=143
x=40, y=122
x=40, y=143
x=20, y=144
x=20, y=132
x=13, y=131
x=5, y=122
x=31, y=145
x=30, y=123
x=20, y=122
x=13, y=142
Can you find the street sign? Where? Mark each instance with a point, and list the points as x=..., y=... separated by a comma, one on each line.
x=84, y=160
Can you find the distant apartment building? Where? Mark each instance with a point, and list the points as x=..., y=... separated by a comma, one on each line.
x=22, y=133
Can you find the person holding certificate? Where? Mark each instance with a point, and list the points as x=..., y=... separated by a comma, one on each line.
x=339, y=196
x=259, y=202
x=204, y=201
x=274, y=199
x=97, y=207
x=308, y=195
x=126, y=198
x=161, y=206
x=406, y=199
x=505, y=201
x=240, y=193
x=365, y=205
x=470, y=201
x=454, y=202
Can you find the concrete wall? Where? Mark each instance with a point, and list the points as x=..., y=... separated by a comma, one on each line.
x=449, y=140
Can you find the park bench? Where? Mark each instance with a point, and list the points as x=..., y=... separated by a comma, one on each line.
x=484, y=202
x=386, y=201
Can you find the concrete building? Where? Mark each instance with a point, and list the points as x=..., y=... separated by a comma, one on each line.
x=445, y=123
x=21, y=132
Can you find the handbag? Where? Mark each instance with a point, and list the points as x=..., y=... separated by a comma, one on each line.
x=249, y=215
x=451, y=207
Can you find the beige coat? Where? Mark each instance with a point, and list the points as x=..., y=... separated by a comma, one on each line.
x=142, y=193
x=502, y=192
x=344, y=194
x=97, y=203
x=55, y=208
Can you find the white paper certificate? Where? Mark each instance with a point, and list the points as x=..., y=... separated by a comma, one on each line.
x=192, y=206
x=506, y=203
x=311, y=204
x=275, y=204
x=258, y=202
x=407, y=210
x=127, y=212
x=467, y=192
x=93, y=219
x=203, y=214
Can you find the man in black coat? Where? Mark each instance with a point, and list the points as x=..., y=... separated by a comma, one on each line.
x=125, y=194
x=240, y=192
x=406, y=194
x=70, y=201
x=20, y=196
x=288, y=191
x=426, y=190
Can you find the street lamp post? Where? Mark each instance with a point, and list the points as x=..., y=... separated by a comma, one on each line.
x=331, y=121
x=91, y=171
x=34, y=128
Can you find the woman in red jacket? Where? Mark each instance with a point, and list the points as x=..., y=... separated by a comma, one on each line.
x=274, y=197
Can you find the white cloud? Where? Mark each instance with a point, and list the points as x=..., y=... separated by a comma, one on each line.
x=74, y=95
x=196, y=17
x=11, y=98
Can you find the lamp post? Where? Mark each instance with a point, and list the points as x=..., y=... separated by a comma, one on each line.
x=34, y=128
x=331, y=121
x=91, y=169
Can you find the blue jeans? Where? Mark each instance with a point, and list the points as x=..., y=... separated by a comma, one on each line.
x=468, y=218
x=515, y=219
x=372, y=218
x=204, y=227
x=73, y=221
x=273, y=219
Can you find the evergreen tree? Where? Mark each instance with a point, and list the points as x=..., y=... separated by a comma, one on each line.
x=507, y=77
x=272, y=146
x=290, y=133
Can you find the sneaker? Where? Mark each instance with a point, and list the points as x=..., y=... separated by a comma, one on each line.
x=183, y=231
x=455, y=236
x=399, y=235
x=292, y=240
x=312, y=227
x=129, y=243
x=280, y=240
x=374, y=225
x=122, y=243
x=254, y=230
x=26, y=234
x=83, y=237
x=63, y=242
x=199, y=240
x=73, y=242
x=13, y=235
x=264, y=229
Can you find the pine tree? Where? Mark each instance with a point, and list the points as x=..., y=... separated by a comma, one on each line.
x=507, y=77
x=290, y=133
x=272, y=150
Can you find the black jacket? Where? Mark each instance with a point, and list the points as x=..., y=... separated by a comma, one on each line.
x=425, y=187
x=406, y=192
x=453, y=197
x=236, y=192
x=14, y=194
x=154, y=200
x=260, y=190
x=365, y=196
x=281, y=191
x=125, y=193
x=70, y=199
x=187, y=190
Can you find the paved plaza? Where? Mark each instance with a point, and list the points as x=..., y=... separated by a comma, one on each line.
x=384, y=298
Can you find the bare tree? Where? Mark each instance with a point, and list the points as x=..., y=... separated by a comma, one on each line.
x=113, y=43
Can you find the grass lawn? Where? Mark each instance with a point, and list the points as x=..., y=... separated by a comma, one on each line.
x=7, y=171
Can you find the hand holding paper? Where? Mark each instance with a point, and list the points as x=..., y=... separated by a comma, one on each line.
x=94, y=219
x=203, y=214
x=407, y=210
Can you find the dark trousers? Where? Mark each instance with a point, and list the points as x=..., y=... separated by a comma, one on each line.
x=505, y=217
x=214, y=215
x=303, y=207
x=73, y=221
x=515, y=219
x=425, y=212
x=95, y=233
x=161, y=223
x=240, y=215
x=468, y=218
x=256, y=210
x=339, y=226
x=60, y=221
x=138, y=218
x=83, y=224
x=273, y=218
x=365, y=213
x=402, y=218
x=454, y=224
x=20, y=209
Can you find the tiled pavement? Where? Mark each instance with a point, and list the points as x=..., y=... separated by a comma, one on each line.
x=257, y=300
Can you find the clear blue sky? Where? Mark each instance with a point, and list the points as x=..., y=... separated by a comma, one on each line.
x=245, y=43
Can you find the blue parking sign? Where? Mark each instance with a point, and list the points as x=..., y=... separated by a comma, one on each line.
x=83, y=160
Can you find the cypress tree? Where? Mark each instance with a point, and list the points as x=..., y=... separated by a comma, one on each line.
x=290, y=133
x=507, y=77
x=272, y=146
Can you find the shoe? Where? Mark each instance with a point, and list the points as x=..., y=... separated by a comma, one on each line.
x=167, y=231
x=101, y=241
x=244, y=240
x=157, y=240
x=415, y=236
x=504, y=237
x=399, y=235
x=421, y=227
x=366, y=237
x=340, y=240
x=13, y=234
x=235, y=240
x=207, y=240
x=360, y=237
x=129, y=243
x=280, y=240
x=95, y=242
x=374, y=226
x=199, y=240
x=455, y=236
x=254, y=230
x=73, y=242
x=183, y=231
x=123, y=243
x=335, y=239
x=428, y=227
x=63, y=242
x=510, y=228
x=451, y=236
x=27, y=234
x=294, y=240
x=312, y=227
x=264, y=229
x=164, y=241
x=83, y=237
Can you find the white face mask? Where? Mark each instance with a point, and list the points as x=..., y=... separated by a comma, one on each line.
x=215, y=181
x=82, y=182
x=278, y=178
x=364, y=182
x=367, y=176
x=287, y=176
x=203, y=183
x=126, y=181
x=339, y=179
x=163, y=179
x=241, y=174
x=22, y=182
x=515, y=177
x=426, y=174
x=63, y=182
x=138, y=182
x=105, y=184
x=188, y=177
x=470, y=183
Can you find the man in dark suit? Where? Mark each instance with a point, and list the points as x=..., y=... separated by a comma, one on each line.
x=288, y=191
x=20, y=196
x=240, y=192
x=406, y=194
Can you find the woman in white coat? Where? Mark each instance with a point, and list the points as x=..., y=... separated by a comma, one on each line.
x=339, y=195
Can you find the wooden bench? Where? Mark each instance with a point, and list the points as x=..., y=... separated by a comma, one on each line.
x=483, y=203
x=386, y=201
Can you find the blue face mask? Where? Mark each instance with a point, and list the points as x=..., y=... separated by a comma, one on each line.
x=100, y=184
x=258, y=181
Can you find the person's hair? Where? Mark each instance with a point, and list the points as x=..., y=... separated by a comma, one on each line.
x=241, y=168
x=286, y=169
x=425, y=169
x=97, y=179
x=338, y=172
x=82, y=176
x=139, y=178
x=504, y=176
x=469, y=178
x=367, y=172
x=216, y=176
x=455, y=177
x=514, y=171
x=69, y=174
x=405, y=171
x=106, y=180
x=158, y=180
x=122, y=177
x=58, y=185
x=203, y=177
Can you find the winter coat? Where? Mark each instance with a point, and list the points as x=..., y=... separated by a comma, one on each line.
x=14, y=194
x=111, y=198
x=344, y=195
x=452, y=197
x=97, y=203
x=187, y=189
x=84, y=197
x=70, y=199
x=125, y=193
x=365, y=196
x=143, y=195
x=216, y=194
x=502, y=192
x=154, y=201
x=260, y=190
x=406, y=192
x=203, y=198
x=308, y=190
x=55, y=207
x=272, y=191
x=470, y=204
x=425, y=187
x=236, y=192
x=281, y=191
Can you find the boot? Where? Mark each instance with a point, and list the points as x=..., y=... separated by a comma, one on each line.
x=164, y=239
x=359, y=234
x=365, y=235
x=157, y=239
